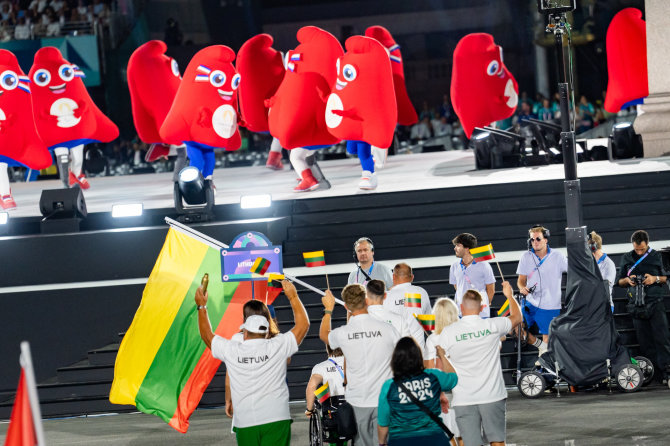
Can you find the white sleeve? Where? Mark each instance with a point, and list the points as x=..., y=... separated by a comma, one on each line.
x=352, y=277
x=430, y=352
x=287, y=343
x=318, y=370
x=490, y=277
x=524, y=267
x=415, y=330
x=425, y=302
x=219, y=347
x=452, y=275
x=333, y=339
x=502, y=325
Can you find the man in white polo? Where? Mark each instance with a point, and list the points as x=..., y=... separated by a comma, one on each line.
x=403, y=297
x=257, y=370
x=472, y=344
x=367, y=344
x=468, y=274
x=364, y=251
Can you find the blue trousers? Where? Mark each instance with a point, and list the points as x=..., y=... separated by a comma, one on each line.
x=202, y=157
x=364, y=152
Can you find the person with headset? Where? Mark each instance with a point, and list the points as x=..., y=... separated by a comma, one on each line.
x=605, y=264
x=540, y=272
x=366, y=267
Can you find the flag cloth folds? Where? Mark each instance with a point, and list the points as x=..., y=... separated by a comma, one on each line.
x=482, y=253
x=260, y=266
x=322, y=393
x=314, y=258
x=427, y=321
x=413, y=300
x=504, y=310
x=162, y=366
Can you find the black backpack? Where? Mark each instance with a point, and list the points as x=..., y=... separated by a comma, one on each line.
x=346, y=421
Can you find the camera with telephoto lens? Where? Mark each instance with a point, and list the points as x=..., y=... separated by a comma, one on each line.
x=638, y=279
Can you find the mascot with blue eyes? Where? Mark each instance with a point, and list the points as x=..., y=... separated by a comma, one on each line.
x=19, y=143
x=65, y=115
x=482, y=88
x=204, y=112
x=153, y=81
x=362, y=106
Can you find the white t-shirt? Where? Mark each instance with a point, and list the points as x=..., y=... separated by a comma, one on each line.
x=257, y=371
x=333, y=374
x=546, y=274
x=405, y=324
x=367, y=345
x=473, y=277
x=431, y=343
x=473, y=347
x=608, y=271
x=395, y=299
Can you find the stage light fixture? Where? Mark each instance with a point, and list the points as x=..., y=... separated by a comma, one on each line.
x=193, y=196
x=495, y=149
x=624, y=142
x=255, y=201
x=62, y=209
x=4, y=218
x=127, y=210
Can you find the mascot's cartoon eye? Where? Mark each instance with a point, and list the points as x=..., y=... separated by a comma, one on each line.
x=9, y=80
x=236, y=81
x=42, y=77
x=492, y=68
x=349, y=73
x=175, y=67
x=217, y=78
x=66, y=72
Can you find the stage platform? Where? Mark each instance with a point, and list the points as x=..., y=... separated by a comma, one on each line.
x=407, y=172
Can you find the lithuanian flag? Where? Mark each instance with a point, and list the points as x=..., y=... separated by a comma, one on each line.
x=427, y=321
x=162, y=366
x=413, y=300
x=482, y=253
x=274, y=276
x=504, y=310
x=314, y=258
x=260, y=266
x=322, y=393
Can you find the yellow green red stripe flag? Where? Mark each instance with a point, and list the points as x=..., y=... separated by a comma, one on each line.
x=482, y=253
x=413, y=300
x=271, y=278
x=427, y=321
x=504, y=310
x=162, y=366
x=322, y=393
x=314, y=258
x=260, y=266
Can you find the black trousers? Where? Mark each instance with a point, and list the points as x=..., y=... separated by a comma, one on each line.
x=654, y=338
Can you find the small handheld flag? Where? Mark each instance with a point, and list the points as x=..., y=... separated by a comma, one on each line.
x=322, y=393
x=427, y=321
x=413, y=300
x=260, y=266
x=482, y=253
x=273, y=278
x=314, y=258
x=504, y=310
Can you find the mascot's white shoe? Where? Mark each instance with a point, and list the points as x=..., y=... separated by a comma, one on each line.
x=368, y=180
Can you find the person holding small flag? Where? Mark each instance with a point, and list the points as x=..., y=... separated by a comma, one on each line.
x=327, y=381
x=366, y=267
x=469, y=273
x=405, y=297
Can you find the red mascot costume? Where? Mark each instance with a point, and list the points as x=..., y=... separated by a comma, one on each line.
x=482, y=89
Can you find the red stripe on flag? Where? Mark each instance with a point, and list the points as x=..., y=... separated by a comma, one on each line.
x=313, y=264
x=21, y=431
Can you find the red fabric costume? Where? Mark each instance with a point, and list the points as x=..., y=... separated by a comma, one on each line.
x=362, y=105
x=19, y=142
x=482, y=89
x=626, y=59
x=153, y=80
x=297, y=110
x=65, y=115
x=205, y=108
x=262, y=69
x=406, y=112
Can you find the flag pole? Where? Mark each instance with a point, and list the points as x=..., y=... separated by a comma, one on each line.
x=27, y=364
x=310, y=287
x=500, y=270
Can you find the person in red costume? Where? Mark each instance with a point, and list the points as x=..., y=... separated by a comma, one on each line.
x=65, y=115
x=262, y=69
x=153, y=80
x=297, y=110
x=204, y=112
x=626, y=60
x=362, y=105
x=20, y=145
x=482, y=88
x=406, y=112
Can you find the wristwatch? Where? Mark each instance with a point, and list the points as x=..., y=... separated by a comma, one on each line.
x=201, y=307
x=658, y=279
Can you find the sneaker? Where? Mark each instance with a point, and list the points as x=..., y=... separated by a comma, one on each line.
x=156, y=151
x=541, y=350
x=274, y=161
x=83, y=182
x=7, y=202
x=308, y=182
x=368, y=181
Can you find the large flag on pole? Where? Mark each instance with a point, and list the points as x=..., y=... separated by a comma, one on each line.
x=162, y=366
x=25, y=424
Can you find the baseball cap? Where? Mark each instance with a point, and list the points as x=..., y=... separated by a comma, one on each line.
x=255, y=324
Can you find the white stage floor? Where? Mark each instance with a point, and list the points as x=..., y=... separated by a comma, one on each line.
x=402, y=172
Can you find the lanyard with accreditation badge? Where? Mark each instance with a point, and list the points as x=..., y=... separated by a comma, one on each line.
x=638, y=262
x=463, y=268
x=537, y=267
x=369, y=272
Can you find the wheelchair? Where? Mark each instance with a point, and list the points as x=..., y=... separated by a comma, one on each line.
x=323, y=425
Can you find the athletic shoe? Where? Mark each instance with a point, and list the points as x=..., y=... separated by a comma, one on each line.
x=7, y=202
x=368, y=180
x=274, y=161
x=83, y=182
x=156, y=151
x=308, y=182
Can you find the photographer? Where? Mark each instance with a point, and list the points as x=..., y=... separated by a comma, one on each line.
x=641, y=272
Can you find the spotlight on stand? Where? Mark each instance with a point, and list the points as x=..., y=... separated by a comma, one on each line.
x=624, y=142
x=545, y=136
x=496, y=149
x=62, y=209
x=193, y=196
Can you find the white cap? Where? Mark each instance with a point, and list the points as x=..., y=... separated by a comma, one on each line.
x=255, y=324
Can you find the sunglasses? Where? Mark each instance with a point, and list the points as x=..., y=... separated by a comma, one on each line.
x=536, y=239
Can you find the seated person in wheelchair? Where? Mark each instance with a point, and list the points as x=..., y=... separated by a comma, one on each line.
x=330, y=372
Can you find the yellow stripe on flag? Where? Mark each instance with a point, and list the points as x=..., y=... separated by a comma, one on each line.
x=485, y=248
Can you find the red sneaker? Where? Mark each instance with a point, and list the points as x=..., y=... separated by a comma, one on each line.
x=308, y=182
x=156, y=151
x=7, y=202
x=83, y=182
x=274, y=161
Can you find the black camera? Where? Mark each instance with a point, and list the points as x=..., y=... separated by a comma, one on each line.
x=638, y=279
x=531, y=290
x=556, y=6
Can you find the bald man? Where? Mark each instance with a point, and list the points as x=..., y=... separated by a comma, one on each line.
x=403, y=296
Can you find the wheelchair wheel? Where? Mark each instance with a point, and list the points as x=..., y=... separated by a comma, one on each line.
x=315, y=431
x=532, y=384
x=647, y=368
x=629, y=378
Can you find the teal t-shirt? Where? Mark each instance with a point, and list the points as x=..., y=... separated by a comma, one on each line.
x=401, y=415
